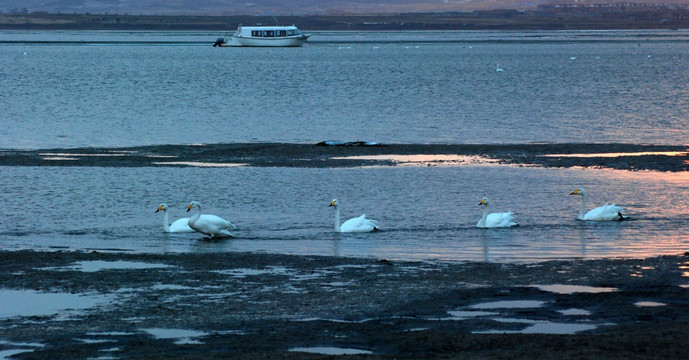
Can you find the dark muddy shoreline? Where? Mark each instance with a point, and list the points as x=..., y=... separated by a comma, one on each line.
x=258, y=306
x=321, y=156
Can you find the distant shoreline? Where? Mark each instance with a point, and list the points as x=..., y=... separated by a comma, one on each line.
x=544, y=18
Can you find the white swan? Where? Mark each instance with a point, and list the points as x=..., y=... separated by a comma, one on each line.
x=494, y=220
x=498, y=68
x=359, y=224
x=606, y=212
x=211, y=225
x=180, y=225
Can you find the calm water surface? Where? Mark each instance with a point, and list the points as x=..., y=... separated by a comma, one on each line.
x=77, y=89
x=281, y=210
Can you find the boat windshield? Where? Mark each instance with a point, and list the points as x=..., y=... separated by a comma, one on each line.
x=274, y=33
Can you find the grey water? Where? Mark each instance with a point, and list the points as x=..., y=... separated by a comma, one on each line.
x=67, y=89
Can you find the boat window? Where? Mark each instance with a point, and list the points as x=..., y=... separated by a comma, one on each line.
x=268, y=33
x=256, y=33
x=281, y=33
x=291, y=32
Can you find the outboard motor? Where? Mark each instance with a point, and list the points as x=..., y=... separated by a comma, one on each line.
x=219, y=42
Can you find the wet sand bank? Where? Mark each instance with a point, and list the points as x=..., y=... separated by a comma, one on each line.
x=615, y=156
x=257, y=306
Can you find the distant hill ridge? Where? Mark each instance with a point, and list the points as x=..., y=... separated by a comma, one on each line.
x=281, y=7
x=546, y=17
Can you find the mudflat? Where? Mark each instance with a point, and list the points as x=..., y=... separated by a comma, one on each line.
x=269, y=306
x=354, y=154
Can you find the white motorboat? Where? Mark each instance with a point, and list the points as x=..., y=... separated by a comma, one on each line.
x=277, y=36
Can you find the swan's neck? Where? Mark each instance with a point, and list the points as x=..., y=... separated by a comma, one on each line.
x=482, y=222
x=582, y=211
x=166, y=222
x=195, y=217
x=337, y=219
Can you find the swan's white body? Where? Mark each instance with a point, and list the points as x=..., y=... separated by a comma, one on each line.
x=180, y=225
x=607, y=212
x=211, y=225
x=495, y=220
x=358, y=224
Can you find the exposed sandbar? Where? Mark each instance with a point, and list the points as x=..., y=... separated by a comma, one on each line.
x=356, y=154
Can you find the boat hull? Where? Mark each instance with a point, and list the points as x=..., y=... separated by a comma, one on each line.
x=235, y=41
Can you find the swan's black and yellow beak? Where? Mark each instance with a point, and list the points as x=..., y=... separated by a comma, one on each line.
x=160, y=208
x=190, y=206
x=332, y=203
x=575, y=192
x=483, y=202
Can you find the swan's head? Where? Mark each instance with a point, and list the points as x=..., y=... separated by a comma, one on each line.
x=334, y=203
x=578, y=191
x=484, y=202
x=194, y=204
x=162, y=207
